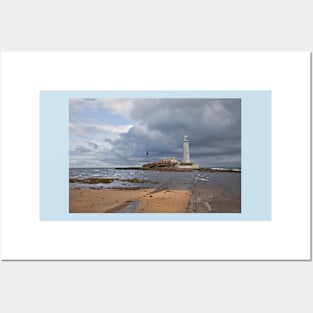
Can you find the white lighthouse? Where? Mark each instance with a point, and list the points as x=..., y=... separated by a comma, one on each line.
x=186, y=155
x=186, y=163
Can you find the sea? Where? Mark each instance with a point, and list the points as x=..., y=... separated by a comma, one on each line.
x=112, y=178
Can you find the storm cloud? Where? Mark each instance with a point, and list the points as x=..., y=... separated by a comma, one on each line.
x=120, y=132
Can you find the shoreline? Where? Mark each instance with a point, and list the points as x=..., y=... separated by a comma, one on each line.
x=169, y=169
x=102, y=191
x=177, y=169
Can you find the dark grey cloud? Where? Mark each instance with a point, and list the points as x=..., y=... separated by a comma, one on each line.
x=213, y=127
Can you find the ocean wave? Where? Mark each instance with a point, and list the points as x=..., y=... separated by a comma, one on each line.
x=225, y=169
x=94, y=180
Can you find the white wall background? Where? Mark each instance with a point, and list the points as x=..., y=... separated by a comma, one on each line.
x=151, y=286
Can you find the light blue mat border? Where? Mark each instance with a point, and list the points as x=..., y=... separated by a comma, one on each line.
x=256, y=156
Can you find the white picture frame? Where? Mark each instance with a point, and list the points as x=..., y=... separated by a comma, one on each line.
x=285, y=237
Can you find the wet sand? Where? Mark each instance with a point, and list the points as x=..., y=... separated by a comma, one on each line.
x=209, y=197
x=165, y=201
x=128, y=201
x=205, y=197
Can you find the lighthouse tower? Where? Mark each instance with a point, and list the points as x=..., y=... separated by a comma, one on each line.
x=186, y=156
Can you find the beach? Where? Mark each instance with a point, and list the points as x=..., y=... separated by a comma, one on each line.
x=138, y=191
x=129, y=201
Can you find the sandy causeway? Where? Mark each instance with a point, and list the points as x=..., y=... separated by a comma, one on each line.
x=138, y=201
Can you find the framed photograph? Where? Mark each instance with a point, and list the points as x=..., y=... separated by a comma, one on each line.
x=155, y=155
x=156, y=152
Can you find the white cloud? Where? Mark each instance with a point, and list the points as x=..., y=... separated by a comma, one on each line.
x=119, y=106
x=114, y=129
x=109, y=131
x=122, y=107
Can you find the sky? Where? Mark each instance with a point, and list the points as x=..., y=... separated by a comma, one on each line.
x=120, y=132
